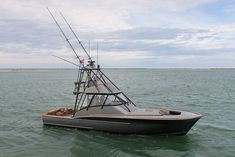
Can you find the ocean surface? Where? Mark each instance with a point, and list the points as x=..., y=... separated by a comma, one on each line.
x=25, y=94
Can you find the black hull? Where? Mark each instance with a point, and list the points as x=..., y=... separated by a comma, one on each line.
x=125, y=126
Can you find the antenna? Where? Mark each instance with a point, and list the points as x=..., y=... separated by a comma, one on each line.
x=97, y=48
x=89, y=57
x=64, y=35
x=89, y=42
x=65, y=60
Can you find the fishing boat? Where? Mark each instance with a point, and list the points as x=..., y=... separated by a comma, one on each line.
x=100, y=105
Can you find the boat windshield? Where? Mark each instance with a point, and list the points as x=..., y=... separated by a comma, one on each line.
x=104, y=100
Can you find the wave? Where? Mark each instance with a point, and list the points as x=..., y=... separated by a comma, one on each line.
x=216, y=127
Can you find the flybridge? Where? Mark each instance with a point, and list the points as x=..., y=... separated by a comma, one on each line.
x=95, y=89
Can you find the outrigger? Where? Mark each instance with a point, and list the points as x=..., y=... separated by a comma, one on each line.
x=101, y=105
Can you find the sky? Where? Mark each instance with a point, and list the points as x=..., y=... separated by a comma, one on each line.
x=126, y=33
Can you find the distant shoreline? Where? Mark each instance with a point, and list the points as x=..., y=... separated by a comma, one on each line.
x=21, y=69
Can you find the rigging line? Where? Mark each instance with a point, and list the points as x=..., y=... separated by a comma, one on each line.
x=117, y=88
x=66, y=60
x=64, y=34
x=79, y=41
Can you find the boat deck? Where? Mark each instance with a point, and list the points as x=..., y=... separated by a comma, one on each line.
x=61, y=112
x=68, y=114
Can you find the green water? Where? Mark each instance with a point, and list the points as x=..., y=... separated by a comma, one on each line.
x=25, y=94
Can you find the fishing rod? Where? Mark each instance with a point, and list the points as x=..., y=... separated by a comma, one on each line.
x=64, y=35
x=79, y=41
x=66, y=60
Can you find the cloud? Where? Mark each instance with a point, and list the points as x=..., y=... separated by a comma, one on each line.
x=20, y=54
x=135, y=44
x=196, y=61
x=229, y=8
x=169, y=39
x=98, y=15
x=135, y=32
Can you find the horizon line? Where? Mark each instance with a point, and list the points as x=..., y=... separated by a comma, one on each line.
x=52, y=68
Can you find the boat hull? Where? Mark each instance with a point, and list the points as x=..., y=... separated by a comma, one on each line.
x=124, y=126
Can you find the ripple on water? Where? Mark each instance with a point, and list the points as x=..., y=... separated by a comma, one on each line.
x=24, y=95
x=216, y=128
